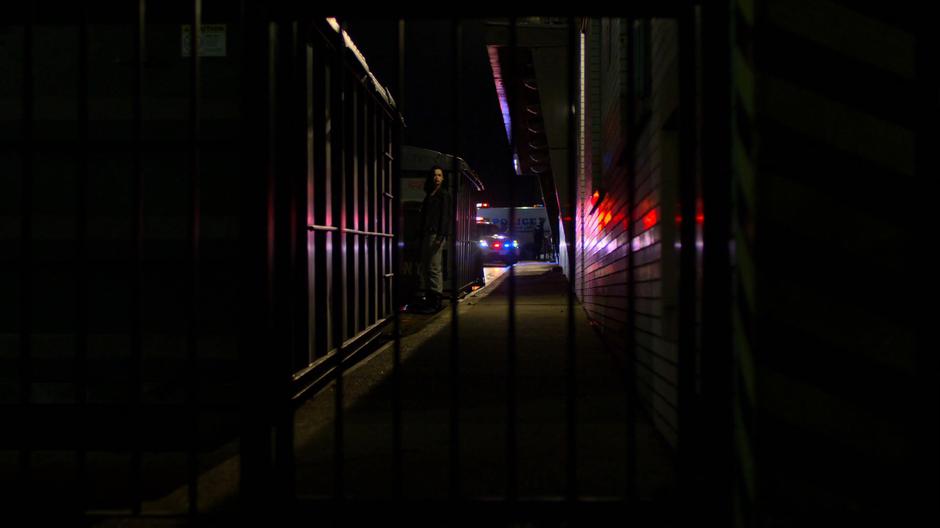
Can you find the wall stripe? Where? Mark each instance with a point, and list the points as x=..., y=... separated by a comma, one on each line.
x=744, y=201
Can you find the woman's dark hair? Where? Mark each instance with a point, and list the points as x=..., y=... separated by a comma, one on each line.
x=429, y=181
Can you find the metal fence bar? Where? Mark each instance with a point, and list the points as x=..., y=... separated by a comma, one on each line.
x=351, y=297
x=688, y=401
x=322, y=97
x=570, y=377
x=630, y=373
x=291, y=242
x=375, y=212
x=254, y=447
x=926, y=431
x=372, y=210
x=81, y=265
x=193, y=330
x=338, y=191
x=454, y=454
x=512, y=447
x=717, y=368
x=395, y=179
x=362, y=209
x=381, y=206
x=134, y=376
x=26, y=258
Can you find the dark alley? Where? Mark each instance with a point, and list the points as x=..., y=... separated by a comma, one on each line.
x=661, y=267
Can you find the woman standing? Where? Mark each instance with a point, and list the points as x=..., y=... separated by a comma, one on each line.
x=436, y=223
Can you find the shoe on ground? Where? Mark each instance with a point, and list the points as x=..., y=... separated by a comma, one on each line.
x=432, y=304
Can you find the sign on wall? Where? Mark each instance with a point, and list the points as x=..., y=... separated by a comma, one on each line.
x=211, y=40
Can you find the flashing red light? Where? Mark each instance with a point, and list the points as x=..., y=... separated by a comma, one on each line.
x=485, y=204
x=594, y=197
x=650, y=219
x=496, y=245
x=567, y=219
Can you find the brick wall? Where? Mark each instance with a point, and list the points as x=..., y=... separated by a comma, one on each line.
x=604, y=238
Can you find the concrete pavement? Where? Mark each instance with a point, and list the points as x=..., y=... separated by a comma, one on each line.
x=541, y=319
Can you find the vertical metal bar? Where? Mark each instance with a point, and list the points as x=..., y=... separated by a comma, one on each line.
x=81, y=266
x=275, y=204
x=383, y=129
x=378, y=211
x=26, y=259
x=308, y=191
x=927, y=430
x=570, y=378
x=717, y=349
x=378, y=208
x=511, y=360
x=395, y=189
x=630, y=342
x=583, y=126
x=254, y=444
x=137, y=280
x=454, y=282
x=340, y=213
x=688, y=401
x=291, y=236
x=350, y=173
x=267, y=367
x=192, y=337
x=365, y=207
x=321, y=192
x=370, y=208
x=368, y=188
x=362, y=193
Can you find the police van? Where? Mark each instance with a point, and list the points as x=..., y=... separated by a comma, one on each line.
x=523, y=237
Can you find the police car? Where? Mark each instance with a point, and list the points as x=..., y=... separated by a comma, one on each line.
x=499, y=248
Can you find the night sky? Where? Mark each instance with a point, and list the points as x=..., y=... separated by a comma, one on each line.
x=428, y=103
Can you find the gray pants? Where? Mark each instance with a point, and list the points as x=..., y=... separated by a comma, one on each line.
x=429, y=272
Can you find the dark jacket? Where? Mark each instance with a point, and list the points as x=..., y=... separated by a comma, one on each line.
x=437, y=213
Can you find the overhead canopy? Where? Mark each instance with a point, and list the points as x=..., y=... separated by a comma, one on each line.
x=531, y=86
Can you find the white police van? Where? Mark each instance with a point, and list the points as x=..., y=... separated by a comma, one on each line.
x=528, y=220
